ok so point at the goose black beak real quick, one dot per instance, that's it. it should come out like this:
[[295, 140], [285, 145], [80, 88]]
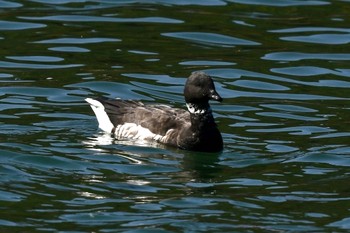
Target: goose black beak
[[215, 96]]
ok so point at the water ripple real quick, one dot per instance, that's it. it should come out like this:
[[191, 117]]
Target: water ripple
[[206, 63], [109, 3], [289, 108], [190, 2], [296, 130], [125, 91], [259, 85], [11, 25], [340, 37], [83, 18], [6, 64], [77, 40], [327, 158], [9, 4], [70, 49], [290, 116], [282, 3], [229, 73], [164, 79], [210, 38], [10, 196], [302, 71], [36, 58], [298, 56], [330, 39], [310, 29]]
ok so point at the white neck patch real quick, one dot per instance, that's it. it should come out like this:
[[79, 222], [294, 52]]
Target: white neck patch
[[192, 108]]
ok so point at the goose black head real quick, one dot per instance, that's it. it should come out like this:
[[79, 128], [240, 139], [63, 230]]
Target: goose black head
[[200, 88]]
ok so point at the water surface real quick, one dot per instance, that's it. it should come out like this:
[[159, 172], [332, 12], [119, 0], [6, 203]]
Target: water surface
[[283, 73]]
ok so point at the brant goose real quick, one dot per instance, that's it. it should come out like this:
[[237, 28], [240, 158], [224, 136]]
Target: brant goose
[[194, 129]]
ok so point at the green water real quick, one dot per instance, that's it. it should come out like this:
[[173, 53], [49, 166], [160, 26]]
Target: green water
[[281, 67]]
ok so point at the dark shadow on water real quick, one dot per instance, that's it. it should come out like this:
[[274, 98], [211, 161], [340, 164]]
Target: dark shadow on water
[[202, 165]]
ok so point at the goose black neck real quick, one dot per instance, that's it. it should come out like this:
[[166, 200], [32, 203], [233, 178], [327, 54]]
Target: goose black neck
[[201, 116]]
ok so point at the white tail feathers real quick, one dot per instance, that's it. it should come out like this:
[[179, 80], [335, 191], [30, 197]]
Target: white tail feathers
[[103, 120]]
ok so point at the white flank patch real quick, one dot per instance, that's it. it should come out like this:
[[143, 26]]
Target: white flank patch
[[134, 131], [104, 122]]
